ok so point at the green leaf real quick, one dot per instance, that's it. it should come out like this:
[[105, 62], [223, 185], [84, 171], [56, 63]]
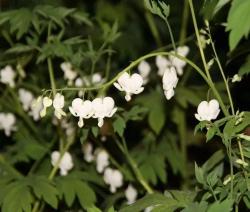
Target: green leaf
[[211, 133], [17, 198], [119, 125], [245, 68], [43, 188], [225, 205], [212, 7], [81, 17], [159, 8], [150, 200], [238, 27], [71, 187], [199, 174]]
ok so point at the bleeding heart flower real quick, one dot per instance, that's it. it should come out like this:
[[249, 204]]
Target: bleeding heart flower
[[113, 178], [58, 104], [69, 73], [47, 102], [144, 70], [7, 123], [65, 164], [131, 194], [7, 76], [208, 111], [169, 81], [26, 98], [130, 84], [103, 107], [81, 109], [102, 160]]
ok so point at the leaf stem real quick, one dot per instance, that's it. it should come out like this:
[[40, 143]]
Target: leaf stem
[[171, 34], [184, 23]]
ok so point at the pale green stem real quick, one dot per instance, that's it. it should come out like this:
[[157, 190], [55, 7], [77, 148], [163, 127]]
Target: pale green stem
[[221, 71], [171, 34], [184, 24], [153, 28], [136, 62]]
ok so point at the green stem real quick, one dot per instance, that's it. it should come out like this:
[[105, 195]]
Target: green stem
[[184, 24], [221, 71], [136, 62], [9, 168], [171, 34], [51, 76], [153, 28], [134, 166], [107, 70], [198, 39], [231, 170]]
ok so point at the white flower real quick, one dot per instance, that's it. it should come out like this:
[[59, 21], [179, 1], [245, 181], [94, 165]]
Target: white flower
[[178, 63], [113, 178], [47, 102], [236, 78], [88, 152], [69, 73], [144, 70], [65, 164], [169, 81], [36, 108], [162, 63], [81, 109], [7, 76], [241, 162], [131, 194], [96, 78], [7, 123], [102, 160], [208, 111], [26, 98], [103, 107], [130, 84], [58, 104]]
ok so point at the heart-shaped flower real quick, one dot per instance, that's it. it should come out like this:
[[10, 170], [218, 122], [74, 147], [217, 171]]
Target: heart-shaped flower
[[69, 73], [102, 160], [131, 194], [130, 84], [7, 76], [58, 104], [113, 178], [7, 123], [144, 70], [65, 164], [81, 109], [26, 98], [169, 81], [47, 102], [103, 107], [208, 111]]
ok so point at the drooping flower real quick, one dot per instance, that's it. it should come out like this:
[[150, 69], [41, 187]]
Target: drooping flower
[[7, 76], [88, 152], [103, 107], [65, 164], [69, 73], [26, 98], [113, 178], [208, 111], [102, 160], [144, 70], [47, 102], [7, 123], [236, 78], [169, 81], [131, 194], [162, 63], [178, 63], [58, 104], [81, 109], [96, 78], [36, 108], [130, 84]]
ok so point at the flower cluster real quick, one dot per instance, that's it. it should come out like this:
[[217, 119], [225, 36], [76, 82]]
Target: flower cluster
[[58, 104], [99, 108], [7, 123], [65, 163]]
